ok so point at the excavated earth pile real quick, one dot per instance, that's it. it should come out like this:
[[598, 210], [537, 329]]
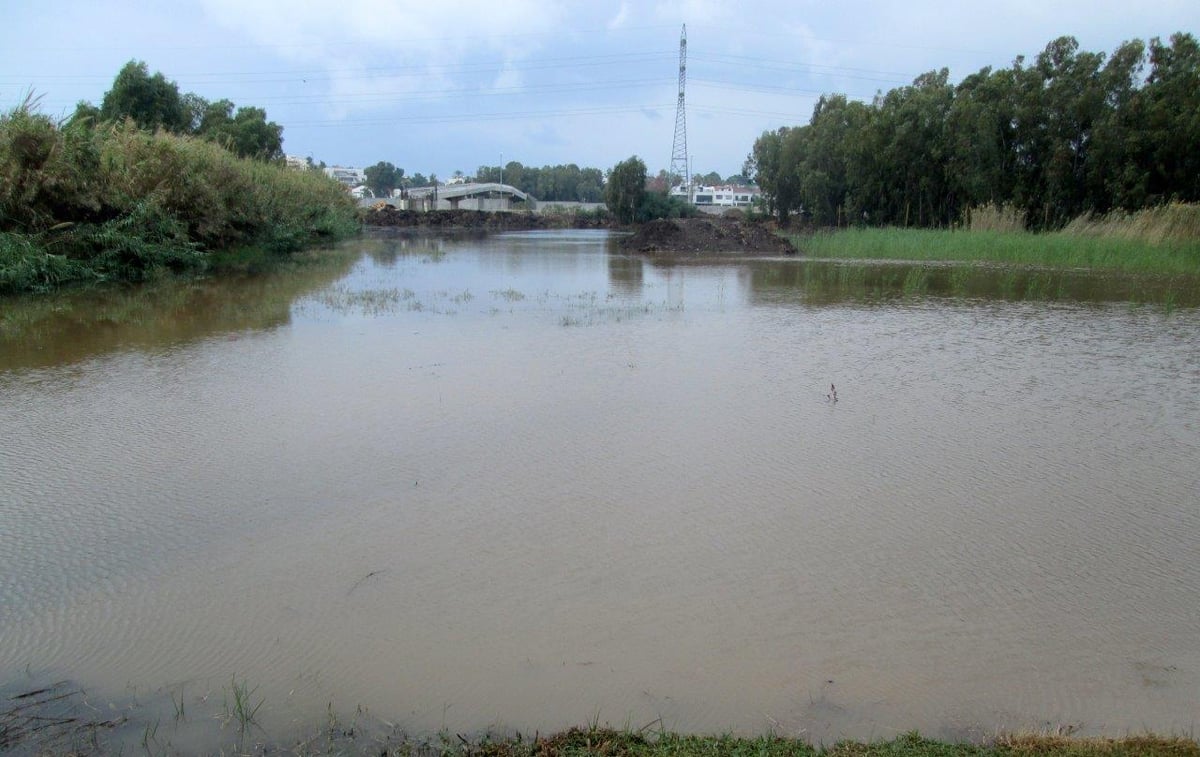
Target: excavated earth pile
[[382, 214], [706, 235]]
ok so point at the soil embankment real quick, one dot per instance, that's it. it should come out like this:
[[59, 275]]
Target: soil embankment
[[386, 215], [705, 236]]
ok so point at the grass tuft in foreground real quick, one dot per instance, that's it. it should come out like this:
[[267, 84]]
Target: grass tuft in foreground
[[605, 742], [57, 719]]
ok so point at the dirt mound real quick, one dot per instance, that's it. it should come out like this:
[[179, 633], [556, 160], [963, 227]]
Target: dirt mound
[[383, 214], [706, 235]]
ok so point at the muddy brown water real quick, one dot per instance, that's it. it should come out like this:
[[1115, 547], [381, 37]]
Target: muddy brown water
[[526, 482]]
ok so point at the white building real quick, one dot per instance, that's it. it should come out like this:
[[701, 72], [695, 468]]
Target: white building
[[724, 195], [351, 177]]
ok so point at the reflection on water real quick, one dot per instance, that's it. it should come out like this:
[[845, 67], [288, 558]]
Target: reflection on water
[[838, 281], [39, 330], [524, 481]]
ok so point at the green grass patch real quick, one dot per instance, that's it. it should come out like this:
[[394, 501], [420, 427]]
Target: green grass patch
[[1053, 250], [1164, 240], [53, 719], [605, 742]]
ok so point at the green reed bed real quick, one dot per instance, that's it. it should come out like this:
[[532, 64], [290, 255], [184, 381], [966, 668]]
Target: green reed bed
[[1163, 240], [84, 202]]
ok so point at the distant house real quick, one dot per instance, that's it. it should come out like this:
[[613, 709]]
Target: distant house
[[724, 195], [351, 177], [296, 162], [361, 192]]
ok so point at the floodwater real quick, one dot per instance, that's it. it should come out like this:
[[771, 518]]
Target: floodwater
[[524, 482]]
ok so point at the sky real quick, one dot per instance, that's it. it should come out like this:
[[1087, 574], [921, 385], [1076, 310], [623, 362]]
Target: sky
[[438, 87]]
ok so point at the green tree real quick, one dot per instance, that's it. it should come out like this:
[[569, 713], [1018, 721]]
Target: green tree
[[980, 159], [625, 188], [86, 113], [1119, 169], [1071, 133], [663, 205], [1172, 118], [777, 175], [590, 187], [247, 133], [488, 174], [151, 101], [383, 177], [823, 159]]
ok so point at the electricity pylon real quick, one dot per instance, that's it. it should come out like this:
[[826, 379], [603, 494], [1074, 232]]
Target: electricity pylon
[[679, 152]]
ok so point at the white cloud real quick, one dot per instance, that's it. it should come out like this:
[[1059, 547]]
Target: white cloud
[[411, 29], [696, 11], [368, 51], [617, 21]]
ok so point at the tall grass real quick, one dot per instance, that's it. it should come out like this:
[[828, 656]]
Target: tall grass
[[1163, 226], [992, 217], [115, 202], [1161, 240]]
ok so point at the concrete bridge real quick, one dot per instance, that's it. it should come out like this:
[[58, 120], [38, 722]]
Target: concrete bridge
[[485, 196]]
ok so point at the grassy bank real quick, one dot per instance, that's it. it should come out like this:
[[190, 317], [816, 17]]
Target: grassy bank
[[610, 743], [111, 202], [58, 719], [1163, 240]]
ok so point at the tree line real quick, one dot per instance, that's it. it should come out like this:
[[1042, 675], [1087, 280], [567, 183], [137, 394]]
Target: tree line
[[1071, 133], [154, 102], [562, 183], [385, 176]]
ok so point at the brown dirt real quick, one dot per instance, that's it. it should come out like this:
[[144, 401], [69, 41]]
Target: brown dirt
[[707, 235], [383, 214]]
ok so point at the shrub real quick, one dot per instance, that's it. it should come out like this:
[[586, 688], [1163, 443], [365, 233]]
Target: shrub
[[118, 202]]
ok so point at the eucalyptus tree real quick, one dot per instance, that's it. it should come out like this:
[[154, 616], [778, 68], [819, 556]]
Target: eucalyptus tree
[[152, 102], [383, 177], [1172, 118], [625, 188]]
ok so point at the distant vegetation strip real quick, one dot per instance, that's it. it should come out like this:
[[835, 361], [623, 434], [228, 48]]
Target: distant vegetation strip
[[1161, 240]]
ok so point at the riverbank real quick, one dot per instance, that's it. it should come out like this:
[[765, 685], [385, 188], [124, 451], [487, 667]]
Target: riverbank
[[1163, 240], [383, 215], [38, 722], [112, 203], [606, 742]]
